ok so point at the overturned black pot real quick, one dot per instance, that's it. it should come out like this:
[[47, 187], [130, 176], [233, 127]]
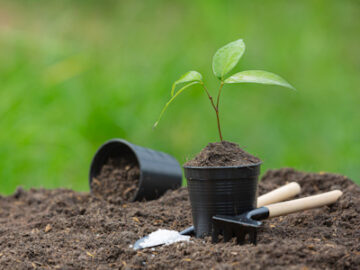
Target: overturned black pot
[[159, 172], [220, 191]]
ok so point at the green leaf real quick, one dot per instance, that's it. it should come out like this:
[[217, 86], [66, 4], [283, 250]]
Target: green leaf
[[226, 58], [258, 76], [190, 76], [172, 99]]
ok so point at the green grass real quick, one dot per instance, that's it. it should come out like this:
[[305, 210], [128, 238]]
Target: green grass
[[75, 74]]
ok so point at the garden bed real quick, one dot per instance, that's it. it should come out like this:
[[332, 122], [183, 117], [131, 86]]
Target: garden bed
[[69, 230]]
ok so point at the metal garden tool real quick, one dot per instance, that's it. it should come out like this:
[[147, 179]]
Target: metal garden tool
[[247, 223], [277, 195]]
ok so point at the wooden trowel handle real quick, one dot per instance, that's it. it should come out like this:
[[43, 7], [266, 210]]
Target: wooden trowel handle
[[280, 194], [284, 208]]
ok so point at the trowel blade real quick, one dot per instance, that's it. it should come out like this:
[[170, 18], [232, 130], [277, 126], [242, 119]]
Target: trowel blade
[[138, 243]]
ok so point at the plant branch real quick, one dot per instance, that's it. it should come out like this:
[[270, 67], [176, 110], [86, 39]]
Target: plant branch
[[218, 97], [209, 96], [215, 108]]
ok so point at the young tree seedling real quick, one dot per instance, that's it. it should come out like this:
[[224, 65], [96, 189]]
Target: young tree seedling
[[224, 60]]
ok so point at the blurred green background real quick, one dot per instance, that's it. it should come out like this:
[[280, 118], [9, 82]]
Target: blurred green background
[[74, 74]]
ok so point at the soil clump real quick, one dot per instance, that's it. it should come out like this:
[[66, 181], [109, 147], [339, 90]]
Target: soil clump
[[221, 154]]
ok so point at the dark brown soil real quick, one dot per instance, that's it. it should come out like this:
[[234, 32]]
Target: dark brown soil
[[222, 154], [117, 181], [63, 229]]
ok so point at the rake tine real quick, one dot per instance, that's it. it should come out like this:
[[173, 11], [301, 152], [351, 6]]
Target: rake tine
[[215, 233], [253, 236], [240, 237], [228, 233]]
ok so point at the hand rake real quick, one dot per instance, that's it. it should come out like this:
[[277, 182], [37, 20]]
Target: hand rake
[[246, 224]]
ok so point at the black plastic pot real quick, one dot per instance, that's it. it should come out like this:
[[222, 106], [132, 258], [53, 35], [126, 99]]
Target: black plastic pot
[[159, 172], [220, 191]]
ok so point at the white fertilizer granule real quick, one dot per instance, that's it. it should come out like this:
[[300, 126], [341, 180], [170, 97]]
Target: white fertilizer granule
[[165, 237]]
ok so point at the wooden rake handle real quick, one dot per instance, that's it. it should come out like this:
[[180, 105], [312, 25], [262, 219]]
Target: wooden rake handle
[[280, 194], [285, 208]]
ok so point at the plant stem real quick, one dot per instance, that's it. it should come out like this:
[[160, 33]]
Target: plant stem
[[218, 124], [215, 108], [218, 97]]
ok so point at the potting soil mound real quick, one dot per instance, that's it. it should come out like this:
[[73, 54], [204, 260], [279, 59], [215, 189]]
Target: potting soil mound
[[63, 229], [117, 181], [222, 154]]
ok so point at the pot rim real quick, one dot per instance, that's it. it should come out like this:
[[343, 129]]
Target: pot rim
[[222, 167]]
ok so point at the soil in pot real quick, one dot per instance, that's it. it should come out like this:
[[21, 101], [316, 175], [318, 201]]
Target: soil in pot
[[222, 154], [118, 180], [63, 229]]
